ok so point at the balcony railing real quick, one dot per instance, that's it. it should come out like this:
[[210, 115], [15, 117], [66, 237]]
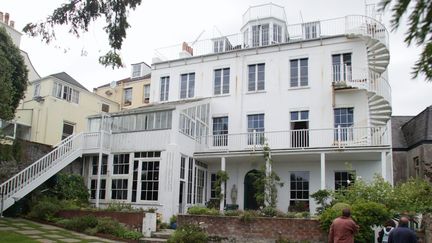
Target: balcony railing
[[349, 25], [296, 139], [346, 76]]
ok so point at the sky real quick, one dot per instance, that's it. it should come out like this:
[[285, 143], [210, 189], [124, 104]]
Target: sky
[[156, 24]]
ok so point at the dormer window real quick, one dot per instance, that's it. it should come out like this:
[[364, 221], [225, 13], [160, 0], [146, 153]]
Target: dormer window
[[136, 70], [311, 30], [221, 45], [277, 33]]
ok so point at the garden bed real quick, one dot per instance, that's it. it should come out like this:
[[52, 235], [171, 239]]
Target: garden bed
[[262, 229], [133, 220]]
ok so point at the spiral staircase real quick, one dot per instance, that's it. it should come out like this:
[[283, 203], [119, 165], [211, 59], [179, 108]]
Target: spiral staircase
[[378, 89]]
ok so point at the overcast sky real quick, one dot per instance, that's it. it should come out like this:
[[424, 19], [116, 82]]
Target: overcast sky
[[162, 23]]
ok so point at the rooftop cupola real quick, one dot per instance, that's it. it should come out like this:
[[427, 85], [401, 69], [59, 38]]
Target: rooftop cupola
[[264, 25]]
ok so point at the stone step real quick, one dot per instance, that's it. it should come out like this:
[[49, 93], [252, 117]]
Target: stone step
[[164, 234], [152, 240]]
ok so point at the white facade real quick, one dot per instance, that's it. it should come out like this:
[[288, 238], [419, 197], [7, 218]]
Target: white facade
[[316, 93]]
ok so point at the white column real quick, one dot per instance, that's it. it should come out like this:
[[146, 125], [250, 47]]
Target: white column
[[323, 185], [268, 171], [98, 182], [221, 205], [384, 165]]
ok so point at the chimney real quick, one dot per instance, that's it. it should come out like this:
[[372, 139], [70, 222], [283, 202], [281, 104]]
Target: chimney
[[6, 18], [1, 16], [12, 24]]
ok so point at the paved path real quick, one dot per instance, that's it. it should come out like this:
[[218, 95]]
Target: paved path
[[47, 233]]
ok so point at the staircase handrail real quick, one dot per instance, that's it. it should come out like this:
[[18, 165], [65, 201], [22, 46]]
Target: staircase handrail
[[26, 175]]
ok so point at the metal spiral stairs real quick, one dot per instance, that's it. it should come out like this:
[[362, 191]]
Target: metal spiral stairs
[[378, 59]]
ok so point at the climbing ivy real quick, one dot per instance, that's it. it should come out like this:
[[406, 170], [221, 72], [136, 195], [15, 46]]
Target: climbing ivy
[[267, 183], [221, 176]]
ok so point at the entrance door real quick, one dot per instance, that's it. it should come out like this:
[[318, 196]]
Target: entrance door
[[181, 197], [249, 190]]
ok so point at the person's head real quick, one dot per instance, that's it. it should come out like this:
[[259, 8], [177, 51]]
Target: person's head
[[389, 223], [403, 222], [346, 212]]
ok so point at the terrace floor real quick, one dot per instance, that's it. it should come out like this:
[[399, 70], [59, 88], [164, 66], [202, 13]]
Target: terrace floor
[[24, 231]]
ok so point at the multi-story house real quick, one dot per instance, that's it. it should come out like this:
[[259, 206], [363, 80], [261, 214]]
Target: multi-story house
[[315, 94], [412, 146], [131, 92], [57, 106]]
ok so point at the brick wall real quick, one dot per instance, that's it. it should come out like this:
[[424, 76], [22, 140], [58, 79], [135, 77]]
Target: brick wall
[[258, 230], [131, 219]]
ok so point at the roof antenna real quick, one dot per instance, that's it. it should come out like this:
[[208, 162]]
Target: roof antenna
[[301, 17]]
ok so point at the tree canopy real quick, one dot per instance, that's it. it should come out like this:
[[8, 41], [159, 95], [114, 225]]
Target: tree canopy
[[13, 76], [79, 14], [419, 29]]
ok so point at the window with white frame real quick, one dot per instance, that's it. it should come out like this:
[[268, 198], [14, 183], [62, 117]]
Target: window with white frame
[[127, 96], [142, 122], [95, 165], [343, 179], [121, 164], [260, 35], [65, 92], [190, 180], [342, 67], [68, 130], [119, 189], [299, 191], [146, 95], [187, 85], [136, 70], [221, 81], [344, 122], [150, 180], [93, 189], [199, 184], [164, 88], [182, 167], [37, 87], [218, 45], [299, 129], [277, 33], [256, 77], [311, 30], [255, 129], [299, 72], [220, 131]]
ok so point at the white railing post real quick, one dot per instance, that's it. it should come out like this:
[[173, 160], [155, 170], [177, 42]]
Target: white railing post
[[339, 135]]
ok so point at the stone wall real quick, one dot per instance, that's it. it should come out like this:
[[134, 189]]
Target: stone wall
[[29, 153], [133, 220], [232, 229]]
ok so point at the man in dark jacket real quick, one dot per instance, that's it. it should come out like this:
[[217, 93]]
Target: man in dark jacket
[[342, 229], [402, 234]]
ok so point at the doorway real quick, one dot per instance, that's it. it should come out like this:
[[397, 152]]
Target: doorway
[[250, 201]]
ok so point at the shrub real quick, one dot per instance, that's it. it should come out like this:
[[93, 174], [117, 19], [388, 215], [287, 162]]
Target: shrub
[[213, 203], [248, 216], [120, 207], [173, 219], [71, 187], [232, 213], [81, 223], [187, 234], [108, 226], [129, 234], [45, 208], [200, 210], [269, 211]]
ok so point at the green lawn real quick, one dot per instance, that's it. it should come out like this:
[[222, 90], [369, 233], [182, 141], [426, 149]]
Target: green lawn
[[11, 237]]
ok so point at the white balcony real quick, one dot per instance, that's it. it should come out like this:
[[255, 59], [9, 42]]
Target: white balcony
[[341, 137], [346, 76], [352, 26]]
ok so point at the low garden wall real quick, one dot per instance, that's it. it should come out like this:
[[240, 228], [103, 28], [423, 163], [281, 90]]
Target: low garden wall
[[133, 220], [257, 229]]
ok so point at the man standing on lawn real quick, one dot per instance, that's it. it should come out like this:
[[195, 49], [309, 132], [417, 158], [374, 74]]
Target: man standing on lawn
[[343, 229]]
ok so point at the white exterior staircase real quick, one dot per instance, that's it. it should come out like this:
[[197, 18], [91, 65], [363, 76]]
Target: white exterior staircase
[[374, 80], [37, 173]]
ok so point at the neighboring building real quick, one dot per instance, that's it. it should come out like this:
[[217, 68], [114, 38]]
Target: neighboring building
[[412, 146], [130, 92], [316, 93], [57, 106]]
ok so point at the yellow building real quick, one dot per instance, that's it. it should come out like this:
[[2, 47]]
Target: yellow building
[[130, 92], [56, 106]]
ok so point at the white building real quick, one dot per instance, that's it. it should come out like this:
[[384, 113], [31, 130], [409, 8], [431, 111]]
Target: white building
[[316, 93]]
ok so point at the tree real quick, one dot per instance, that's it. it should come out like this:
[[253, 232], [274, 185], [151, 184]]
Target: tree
[[13, 76], [419, 29], [78, 14]]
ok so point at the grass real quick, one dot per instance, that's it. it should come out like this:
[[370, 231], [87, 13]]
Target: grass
[[11, 237]]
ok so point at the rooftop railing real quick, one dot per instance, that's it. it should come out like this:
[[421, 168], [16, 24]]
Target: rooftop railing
[[264, 11], [353, 25]]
